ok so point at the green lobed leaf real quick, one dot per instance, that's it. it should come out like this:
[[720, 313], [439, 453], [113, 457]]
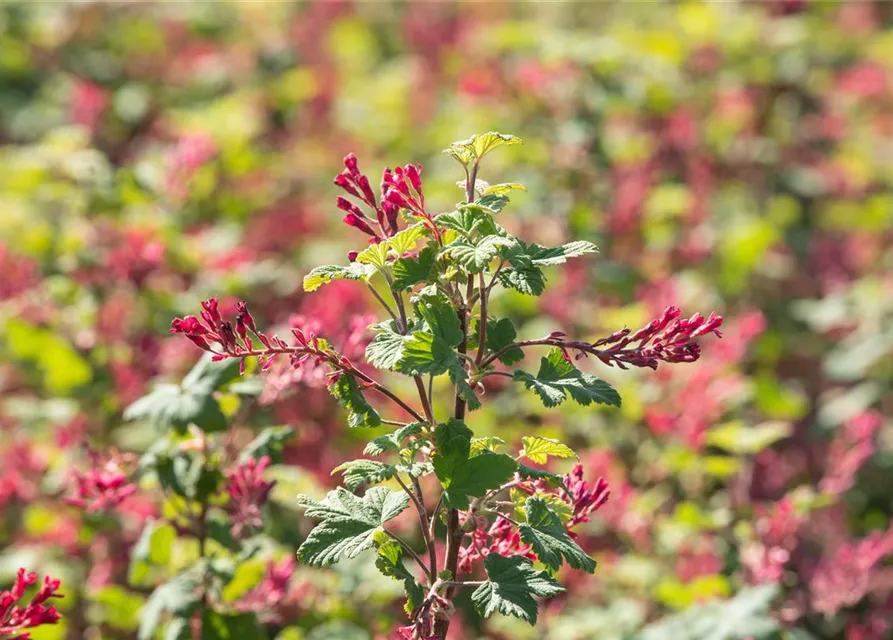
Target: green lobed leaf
[[500, 334], [406, 239], [541, 255], [538, 449], [375, 255], [385, 349], [527, 279], [557, 378], [488, 443], [357, 472], [171, 406], [330, 272], [348, 523], [511, 586], [494, 202], [461, 478], [476, 256], [546, 535], [408, 272], [390, 563], [479, 145], [392, 441], [468, 219], [346, 391], [439, 315]]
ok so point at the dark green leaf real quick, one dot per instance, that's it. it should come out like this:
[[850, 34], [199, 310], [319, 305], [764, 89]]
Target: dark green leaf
[[348, 523], [348, 394], [557, 377], [511, 586], [357, 472], [471, 476], [548, 538], [500, 334], [409, 272], [390, 563]]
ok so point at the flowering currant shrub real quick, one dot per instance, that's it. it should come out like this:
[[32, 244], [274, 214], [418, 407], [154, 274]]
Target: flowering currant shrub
[[500, 525]]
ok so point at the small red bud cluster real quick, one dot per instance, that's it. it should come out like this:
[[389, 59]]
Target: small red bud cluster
[[15, 619], [666, 338]]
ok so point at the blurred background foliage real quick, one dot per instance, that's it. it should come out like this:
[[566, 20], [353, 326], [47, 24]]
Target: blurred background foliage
[[736, 156]]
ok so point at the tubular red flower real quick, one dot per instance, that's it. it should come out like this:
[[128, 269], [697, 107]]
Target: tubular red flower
[[14, 619], [101, 488]]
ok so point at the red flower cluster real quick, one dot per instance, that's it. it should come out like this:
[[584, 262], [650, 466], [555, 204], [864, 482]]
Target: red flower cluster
[[101, 488], [357, 185], [400, 189], [274, 597], [248, 492], [842, 579], [583, 498], [500, 538], [666, 338], [15, 619], [849, 451]]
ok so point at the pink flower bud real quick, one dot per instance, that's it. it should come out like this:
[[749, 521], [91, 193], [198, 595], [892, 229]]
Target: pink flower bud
[[346, 205], [357, 223]]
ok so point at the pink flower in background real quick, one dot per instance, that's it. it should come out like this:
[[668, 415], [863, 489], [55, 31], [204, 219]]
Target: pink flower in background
[[101, 488], [583, 498], [21, 467], [776, 530], [849, 451], [842, 578], [191, 153], [17, 273], [275, 598], [88, 102], [15, 619], [248, 493]]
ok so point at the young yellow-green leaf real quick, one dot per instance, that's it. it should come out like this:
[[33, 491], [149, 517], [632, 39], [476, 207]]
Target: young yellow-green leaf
[[330, 272], [357, 472], [546, 535], [479, 145], [489, 443], [561, 508], [737, 437], [406, 239], [511, 586], [557, 377], [375, 255], [348, 523], [538, 449], [504, 188]]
